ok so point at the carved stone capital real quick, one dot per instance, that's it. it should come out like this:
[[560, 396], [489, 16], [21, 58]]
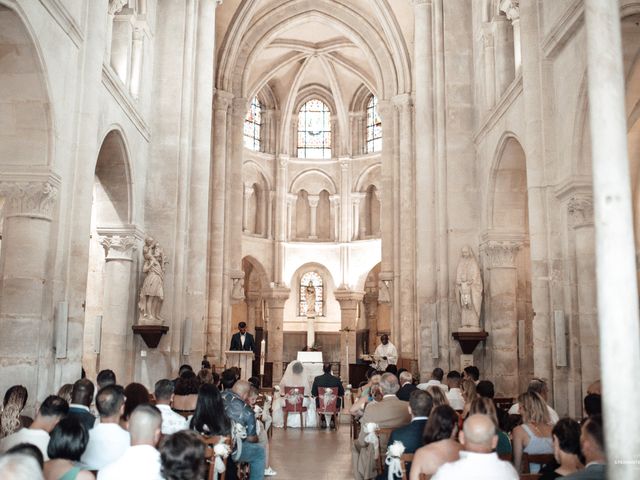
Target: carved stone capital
[[403, 100], [237, 286], [313, 200], [348, 299], [29, 199], [334, 199], [385, 287], [511, 9], [222, 100], [115, 6], [502, 254], [283, 161], [118, 247], [580, 209], [276, 296]]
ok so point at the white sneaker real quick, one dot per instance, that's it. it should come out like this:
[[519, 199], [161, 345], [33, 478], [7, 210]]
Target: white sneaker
[[270, 472]]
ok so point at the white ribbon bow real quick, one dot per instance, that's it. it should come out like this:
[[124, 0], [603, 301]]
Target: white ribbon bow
[[238, 433], [328, 397], [371, 438], [220, 451], [394, 452], [293, 396], [266, 416]]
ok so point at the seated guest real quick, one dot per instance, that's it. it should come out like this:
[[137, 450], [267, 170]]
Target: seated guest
[[65, 391], [205, 376], [469, 395], [486, 407], [390, 412], [367, 396], [28, 449], [592, 445], [135, 394], [51, 411], [478, 459], [392, 369], [566, 448], [534, 435], [436, 380], [406, 386], [438, 395], [105, 377], [185, 395], [11, 418], [19, 466], [485, 389], [107, 440], [454, 395], [327, 380], [172, 422], [182, 456], [595, 388], [209, 417], [539, 386], [592, 405], [141, 461], [255, 382], [68, 440], [228, 379], [440, 442], [420, 404], [215, 379], [263, 438], [237, 409], [471, 373], [81, 398]]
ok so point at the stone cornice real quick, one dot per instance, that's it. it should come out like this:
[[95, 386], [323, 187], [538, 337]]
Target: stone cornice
[[564, 29], [276, 296], [31, 198], [580, 210], [497, 112], [123, 98], [511, 9], [347, 298], [579, 184], [502, 254], [222, 100], [118, 247]]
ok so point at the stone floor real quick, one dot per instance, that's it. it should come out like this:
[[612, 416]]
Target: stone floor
[[311, 454]]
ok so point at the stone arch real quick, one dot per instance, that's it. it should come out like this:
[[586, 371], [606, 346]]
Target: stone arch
[[313, 181], [369, 176], [24, 94], [252, 309]]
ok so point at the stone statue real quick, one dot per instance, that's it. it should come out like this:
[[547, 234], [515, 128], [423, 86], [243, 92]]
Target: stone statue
[[469, 290], [310, 295], [152, 291]]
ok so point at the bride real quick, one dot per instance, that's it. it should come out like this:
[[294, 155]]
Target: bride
[[296, 375]]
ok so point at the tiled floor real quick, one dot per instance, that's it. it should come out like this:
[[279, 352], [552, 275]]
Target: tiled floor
[[311, 454]]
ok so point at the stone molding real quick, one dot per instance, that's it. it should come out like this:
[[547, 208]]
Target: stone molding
[[404, 100], [118, 247], [33, 199], [276, 296], [313, 200], [385, 287], [237, 287], [115, 6], [580, 210], [347, 298], [502, 254], [511, 9], [419, 3], [222, 100]]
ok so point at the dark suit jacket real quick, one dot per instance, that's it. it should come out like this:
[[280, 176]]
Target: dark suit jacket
[[411, 438], [236, 344], [327, 380], [85, 417], [592, 472], [405, 391]]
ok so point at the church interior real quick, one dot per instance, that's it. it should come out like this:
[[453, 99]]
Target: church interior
[[324, 171]]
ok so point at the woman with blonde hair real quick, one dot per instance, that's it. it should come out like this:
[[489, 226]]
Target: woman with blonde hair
[[469, 395], [534, 435], [10, 419], [438, 396], [485, 406]]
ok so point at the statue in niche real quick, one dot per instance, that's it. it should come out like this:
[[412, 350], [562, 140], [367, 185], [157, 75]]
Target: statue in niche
[[152, 291], [310, 296], [469, 290]]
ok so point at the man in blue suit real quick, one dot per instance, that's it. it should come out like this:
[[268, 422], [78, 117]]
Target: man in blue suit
[[420, 403], [242, 340]]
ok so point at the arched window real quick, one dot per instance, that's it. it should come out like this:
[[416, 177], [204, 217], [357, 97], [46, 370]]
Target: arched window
[[374, 126], [316, 281], [252, 124], [314, 130]]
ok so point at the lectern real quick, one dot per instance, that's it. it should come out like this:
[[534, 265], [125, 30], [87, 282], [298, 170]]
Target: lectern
[[241, 359]]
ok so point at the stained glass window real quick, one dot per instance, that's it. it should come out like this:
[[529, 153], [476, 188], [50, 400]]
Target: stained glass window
[[252, 124], [314, 130], [316, 281], [374, 126]]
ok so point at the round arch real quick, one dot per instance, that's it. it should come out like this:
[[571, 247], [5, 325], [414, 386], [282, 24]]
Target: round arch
[[313, 181]]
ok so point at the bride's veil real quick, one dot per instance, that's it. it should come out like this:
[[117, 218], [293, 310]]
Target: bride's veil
[[297, 378]]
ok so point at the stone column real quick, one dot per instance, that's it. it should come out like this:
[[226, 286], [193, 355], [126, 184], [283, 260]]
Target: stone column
[[118, 314], [335, 216], [348, 300], [248, 191], [122, 35], [356, 199], [345, 200], [276, 298], [252, 301], [489, 66], [282, 221], [136, 60], [313, 215], [580, 209], [115, 6], [268, 231], [504, 59], [26, 315], [511, 9], [503, 315]]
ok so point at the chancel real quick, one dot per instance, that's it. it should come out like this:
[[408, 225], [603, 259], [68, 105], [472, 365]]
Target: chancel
[[322, 209]]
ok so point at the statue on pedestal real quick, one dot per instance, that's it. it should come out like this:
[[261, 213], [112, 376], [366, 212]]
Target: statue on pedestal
[[310, 296], [152, 291], [469, 290]]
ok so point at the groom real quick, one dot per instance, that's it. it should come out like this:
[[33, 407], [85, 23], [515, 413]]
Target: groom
[[242, 340]]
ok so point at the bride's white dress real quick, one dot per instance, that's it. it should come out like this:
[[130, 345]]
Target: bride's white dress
[[290, 379]]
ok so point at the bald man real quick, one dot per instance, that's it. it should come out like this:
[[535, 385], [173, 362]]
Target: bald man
[[478, 460], [141, 460]]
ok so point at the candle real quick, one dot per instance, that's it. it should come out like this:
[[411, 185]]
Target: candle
[[263, 345]]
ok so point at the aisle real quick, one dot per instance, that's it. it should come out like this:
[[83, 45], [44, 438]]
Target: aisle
[[311, 454]]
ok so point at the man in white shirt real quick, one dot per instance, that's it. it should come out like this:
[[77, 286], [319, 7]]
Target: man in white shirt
[[539, 386], [454, 395], [141, 460], [51, 411], [107, 440], [171, 421], [478, 460], [386, 353], [435, 381]]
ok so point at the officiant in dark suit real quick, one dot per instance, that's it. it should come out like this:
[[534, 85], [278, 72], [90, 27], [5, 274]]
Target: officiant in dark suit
[[242, 340]]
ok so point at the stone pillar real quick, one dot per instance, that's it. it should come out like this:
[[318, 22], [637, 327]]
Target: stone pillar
[[276, 298], [313, 215], [504, 59], [580, 209], [348, 300], [115, 6], [489, 66], [121, 44], [136, 60], [118, 314], [253, 300], [291, 200], [503, 315], [335, 216], [268, 231], [345, 200], [248, 191], [356, 199], [511, 9], [282, 220], [26, 315]]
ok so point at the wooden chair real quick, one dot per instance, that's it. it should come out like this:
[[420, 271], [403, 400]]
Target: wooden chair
[[355, 423], [210, 442], [330, 407], [294, 407], [530, 476], [503, 403], [507, 457], [383, 438], [542, 459], [404, 459]]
